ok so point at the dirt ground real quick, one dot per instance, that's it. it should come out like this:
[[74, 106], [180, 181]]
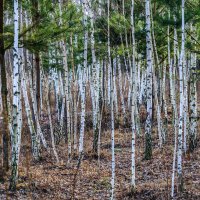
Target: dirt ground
[[47, 180]]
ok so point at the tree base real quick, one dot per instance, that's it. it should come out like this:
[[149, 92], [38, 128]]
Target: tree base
[[148, 147], [180, 184]]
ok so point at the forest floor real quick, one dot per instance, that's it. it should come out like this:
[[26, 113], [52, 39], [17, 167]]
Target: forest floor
[[47, 180]]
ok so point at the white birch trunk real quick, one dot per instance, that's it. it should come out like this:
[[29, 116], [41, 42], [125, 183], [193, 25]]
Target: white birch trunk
[[32, 130], [50, 121], [67, 91], [112, 109], [16, 135], [148, 125], [181, 112], [120, 85], [33, 100], [83, 88], [193, 102], [133, 99]]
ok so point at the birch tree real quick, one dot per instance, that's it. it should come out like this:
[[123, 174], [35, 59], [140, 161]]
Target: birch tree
[[16, 135], [148, 124], [193, 100], [83, 88], [67, 92], [133, 98], [181, 115], [174, 105], [112, 109]]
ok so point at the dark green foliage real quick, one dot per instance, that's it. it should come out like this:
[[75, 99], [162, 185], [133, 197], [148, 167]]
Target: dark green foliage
[[43, 34], [49, 30]]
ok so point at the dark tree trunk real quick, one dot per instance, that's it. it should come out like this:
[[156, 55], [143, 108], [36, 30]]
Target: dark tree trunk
[[35, 15], [4, 129], [37, 62]]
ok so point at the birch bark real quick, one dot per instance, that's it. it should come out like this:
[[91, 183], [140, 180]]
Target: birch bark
[[181, 115], [16, 135], [112, 109], [148, 125]]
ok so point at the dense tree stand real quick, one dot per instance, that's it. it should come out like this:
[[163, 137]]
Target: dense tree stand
[[99, 99]]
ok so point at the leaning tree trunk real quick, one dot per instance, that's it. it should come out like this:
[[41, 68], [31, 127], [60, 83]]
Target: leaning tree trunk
[[34, 138]]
